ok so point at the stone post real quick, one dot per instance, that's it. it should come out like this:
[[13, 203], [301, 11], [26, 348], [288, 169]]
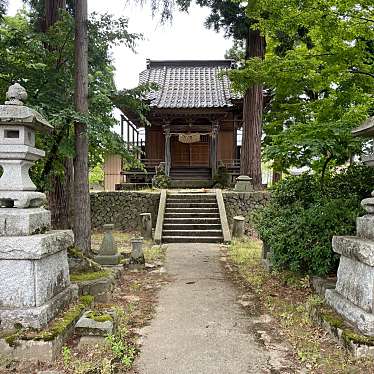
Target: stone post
[[238, 227], [137, 259], [243, 184], [108, 253], [34, 271], [146, 225]]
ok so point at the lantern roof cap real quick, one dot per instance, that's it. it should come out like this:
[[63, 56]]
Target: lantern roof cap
[[14, 112]]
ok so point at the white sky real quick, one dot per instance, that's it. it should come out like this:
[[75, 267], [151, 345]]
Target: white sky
[[185, 38]]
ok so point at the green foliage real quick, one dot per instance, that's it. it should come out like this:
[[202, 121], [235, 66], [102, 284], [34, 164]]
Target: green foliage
[[44, 64], [121, 350], [300, 220], [66, 355], [222, 177], [319, 75], [96, 176], [161, 180]]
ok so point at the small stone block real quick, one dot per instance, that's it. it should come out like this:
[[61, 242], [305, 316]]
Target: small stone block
[[358, 317], [365, 227], [356, 248], [91, 341], [88, 326], [108, 260], [23, 222], [243, 184], [35, 246]]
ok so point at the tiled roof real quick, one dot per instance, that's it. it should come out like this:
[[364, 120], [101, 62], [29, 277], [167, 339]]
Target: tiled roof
[[189, 84]]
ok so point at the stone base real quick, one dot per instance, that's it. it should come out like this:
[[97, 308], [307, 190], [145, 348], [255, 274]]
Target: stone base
[[362, 320], [108, 260], [38, 317], [22, 199], [22, 222]]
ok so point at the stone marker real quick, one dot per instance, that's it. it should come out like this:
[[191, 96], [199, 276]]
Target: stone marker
[[94, 327], [353, 296], [34, 272], [238, 227], [146, 225], [108, 253], [137, 255], [243, 184]]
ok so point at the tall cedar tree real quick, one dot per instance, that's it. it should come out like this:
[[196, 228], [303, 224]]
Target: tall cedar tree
[[60, 198], [232, 18], [82, 214]]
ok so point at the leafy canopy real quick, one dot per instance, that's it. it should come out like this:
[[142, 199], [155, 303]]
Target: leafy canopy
[[44, 64], [319, 73]]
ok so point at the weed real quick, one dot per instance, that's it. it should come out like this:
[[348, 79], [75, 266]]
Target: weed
[[66, 355], [121, 350]]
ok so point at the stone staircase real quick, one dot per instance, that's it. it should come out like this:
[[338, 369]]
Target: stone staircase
[[192, 217]]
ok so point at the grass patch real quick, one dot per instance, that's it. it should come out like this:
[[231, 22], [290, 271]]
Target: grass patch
[[154, 253], [89, 276], [288, 298]]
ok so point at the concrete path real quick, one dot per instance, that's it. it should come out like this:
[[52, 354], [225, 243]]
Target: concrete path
[[199, 326]]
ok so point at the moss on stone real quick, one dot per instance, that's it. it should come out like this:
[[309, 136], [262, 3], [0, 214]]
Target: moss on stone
[[332, 319], [89, 276], [60, 325], [75, 252], [99, 316], [351, 336], [348, 334], [12, 339]]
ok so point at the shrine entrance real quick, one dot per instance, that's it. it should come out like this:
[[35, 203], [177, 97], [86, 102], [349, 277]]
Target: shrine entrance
[[190, 154]]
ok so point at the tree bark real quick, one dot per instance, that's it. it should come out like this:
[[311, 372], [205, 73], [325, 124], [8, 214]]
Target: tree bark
[[61, 194], [277, 176], [52, 10], [250, 158], [60, 198], [82, 214]]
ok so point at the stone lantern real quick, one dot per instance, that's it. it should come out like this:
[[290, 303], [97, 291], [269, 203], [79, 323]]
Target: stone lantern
[[34, 272], [353, 296]]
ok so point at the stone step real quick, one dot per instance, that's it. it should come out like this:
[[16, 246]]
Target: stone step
[[191, 195], [191, 210], [193, 219], [194, 214], [192, 226], [192, 199], [191, 205], [192, 239], [192, 232]]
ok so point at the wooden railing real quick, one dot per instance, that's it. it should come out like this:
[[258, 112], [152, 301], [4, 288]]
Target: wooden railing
[[231, 163]]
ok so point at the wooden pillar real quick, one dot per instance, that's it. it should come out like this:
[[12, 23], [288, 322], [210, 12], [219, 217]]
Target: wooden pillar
[[167, 150], [213, 148]]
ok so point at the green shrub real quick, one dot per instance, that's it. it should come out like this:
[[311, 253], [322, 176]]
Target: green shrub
[[161, 180], [303, 215], [221, 178]]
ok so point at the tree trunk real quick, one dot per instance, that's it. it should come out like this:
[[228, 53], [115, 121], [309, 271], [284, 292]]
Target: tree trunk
[[277, 176], [52, 10], [250, 158], [82, 214], [60, 198]]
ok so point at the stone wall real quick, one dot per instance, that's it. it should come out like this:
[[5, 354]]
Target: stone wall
[[122, 208], [243, 203]]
